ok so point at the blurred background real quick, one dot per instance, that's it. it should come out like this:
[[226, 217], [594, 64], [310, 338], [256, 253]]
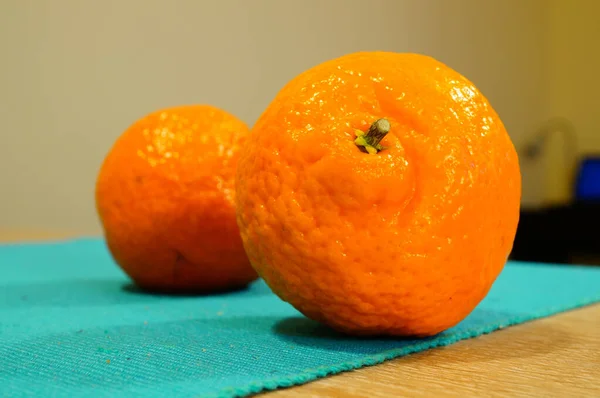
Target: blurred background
[[76, 73]]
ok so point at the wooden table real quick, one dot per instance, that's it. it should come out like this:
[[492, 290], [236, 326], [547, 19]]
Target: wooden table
[[557, 356]]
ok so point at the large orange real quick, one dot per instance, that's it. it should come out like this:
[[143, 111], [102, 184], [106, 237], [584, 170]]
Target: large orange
[[165, 197], [401, 237]]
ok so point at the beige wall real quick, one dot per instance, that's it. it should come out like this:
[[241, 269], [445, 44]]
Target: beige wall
[[75, 73], [574, 65], [574, 85]]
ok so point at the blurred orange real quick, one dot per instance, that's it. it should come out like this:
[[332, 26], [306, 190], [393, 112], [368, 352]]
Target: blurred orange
[[165, 197]]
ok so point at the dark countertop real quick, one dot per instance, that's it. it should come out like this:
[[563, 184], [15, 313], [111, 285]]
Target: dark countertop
[[560, 234]]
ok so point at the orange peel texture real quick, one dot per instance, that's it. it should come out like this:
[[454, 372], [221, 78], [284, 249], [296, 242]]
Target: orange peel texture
[[405, 239]]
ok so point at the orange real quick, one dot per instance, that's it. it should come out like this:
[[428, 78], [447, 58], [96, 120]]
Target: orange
[[165, 198], [398, 231]]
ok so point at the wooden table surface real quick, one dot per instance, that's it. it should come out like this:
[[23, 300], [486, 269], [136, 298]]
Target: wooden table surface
[[557, 356]]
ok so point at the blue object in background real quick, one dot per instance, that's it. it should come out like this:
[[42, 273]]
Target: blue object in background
[[588, 180], [71, 325]]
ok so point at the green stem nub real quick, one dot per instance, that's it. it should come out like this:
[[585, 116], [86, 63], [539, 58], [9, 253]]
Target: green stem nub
[[370, 141]]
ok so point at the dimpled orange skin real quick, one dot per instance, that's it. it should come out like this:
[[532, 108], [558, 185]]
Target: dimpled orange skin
[[403, 242], [165, 197]]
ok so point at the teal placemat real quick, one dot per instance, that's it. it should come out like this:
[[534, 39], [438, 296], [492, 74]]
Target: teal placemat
[[71, 325]]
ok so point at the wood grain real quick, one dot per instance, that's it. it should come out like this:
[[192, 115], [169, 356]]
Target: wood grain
[[24, 235], [557, 356], [552, 357]]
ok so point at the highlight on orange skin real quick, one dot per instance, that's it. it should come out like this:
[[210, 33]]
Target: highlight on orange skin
[[405, 240]]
